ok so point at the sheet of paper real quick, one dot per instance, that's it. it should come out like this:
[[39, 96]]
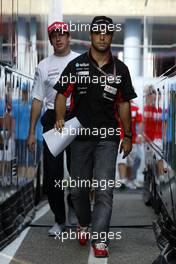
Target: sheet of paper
[[57, 141]]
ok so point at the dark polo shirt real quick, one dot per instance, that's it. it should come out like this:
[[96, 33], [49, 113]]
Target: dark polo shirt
[[95, 91]]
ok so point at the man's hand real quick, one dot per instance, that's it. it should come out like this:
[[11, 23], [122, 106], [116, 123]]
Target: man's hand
[[31, 141], [59, 125], [126, 146], [125, 116]]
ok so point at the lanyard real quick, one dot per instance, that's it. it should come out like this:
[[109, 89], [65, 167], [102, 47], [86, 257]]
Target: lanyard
[[103, 72]]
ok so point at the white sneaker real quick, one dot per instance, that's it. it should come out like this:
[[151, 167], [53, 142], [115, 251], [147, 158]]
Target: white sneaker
[[56, 229], [138, 184], [130, 185], [124, 181]]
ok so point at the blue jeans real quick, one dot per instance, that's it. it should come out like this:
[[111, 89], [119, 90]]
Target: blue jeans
[[93, 159]]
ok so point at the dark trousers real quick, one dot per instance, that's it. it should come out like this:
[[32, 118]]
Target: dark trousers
[[53, 173], [90, 158]]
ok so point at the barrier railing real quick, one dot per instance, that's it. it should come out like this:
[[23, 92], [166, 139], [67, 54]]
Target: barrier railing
[[18, 166]]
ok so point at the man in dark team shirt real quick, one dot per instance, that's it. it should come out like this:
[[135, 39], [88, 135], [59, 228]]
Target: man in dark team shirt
[[100, 86]]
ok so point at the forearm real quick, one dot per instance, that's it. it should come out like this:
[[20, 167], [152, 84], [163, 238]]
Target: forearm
[[34, 115], [125, 116], [60, 107]]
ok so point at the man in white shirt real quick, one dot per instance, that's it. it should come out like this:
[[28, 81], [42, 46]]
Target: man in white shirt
[[46, 75]]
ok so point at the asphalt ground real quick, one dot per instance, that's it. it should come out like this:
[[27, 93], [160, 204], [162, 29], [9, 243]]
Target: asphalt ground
[[130, 217]]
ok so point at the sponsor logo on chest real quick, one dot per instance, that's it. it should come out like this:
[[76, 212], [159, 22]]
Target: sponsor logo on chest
[[82, 68]]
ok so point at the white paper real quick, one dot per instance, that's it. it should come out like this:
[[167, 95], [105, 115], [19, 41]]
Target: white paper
[[57, 141]]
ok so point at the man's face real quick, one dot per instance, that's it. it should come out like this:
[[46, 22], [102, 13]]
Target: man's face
[[101, 41], [60, 42]]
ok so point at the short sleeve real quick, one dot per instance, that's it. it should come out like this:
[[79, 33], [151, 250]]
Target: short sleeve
[[67, 80], [38, 89], [127, 87]]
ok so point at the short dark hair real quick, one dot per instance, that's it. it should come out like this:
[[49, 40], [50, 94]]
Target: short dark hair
[[100, 21]]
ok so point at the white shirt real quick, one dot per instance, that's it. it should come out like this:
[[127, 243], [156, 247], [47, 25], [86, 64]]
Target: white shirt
[[47, 74]]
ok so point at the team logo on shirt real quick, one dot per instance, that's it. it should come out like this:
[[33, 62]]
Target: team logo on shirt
[[83, 73], [82, 69], [82, 90], [82, 64]]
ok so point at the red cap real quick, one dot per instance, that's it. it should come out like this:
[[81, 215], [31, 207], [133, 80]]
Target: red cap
[[63, 27]]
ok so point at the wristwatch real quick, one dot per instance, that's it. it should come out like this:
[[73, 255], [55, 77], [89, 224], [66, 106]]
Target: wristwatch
[[128, 135]]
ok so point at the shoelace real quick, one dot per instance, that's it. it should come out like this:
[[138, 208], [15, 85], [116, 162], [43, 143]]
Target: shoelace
[[101, 246]]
